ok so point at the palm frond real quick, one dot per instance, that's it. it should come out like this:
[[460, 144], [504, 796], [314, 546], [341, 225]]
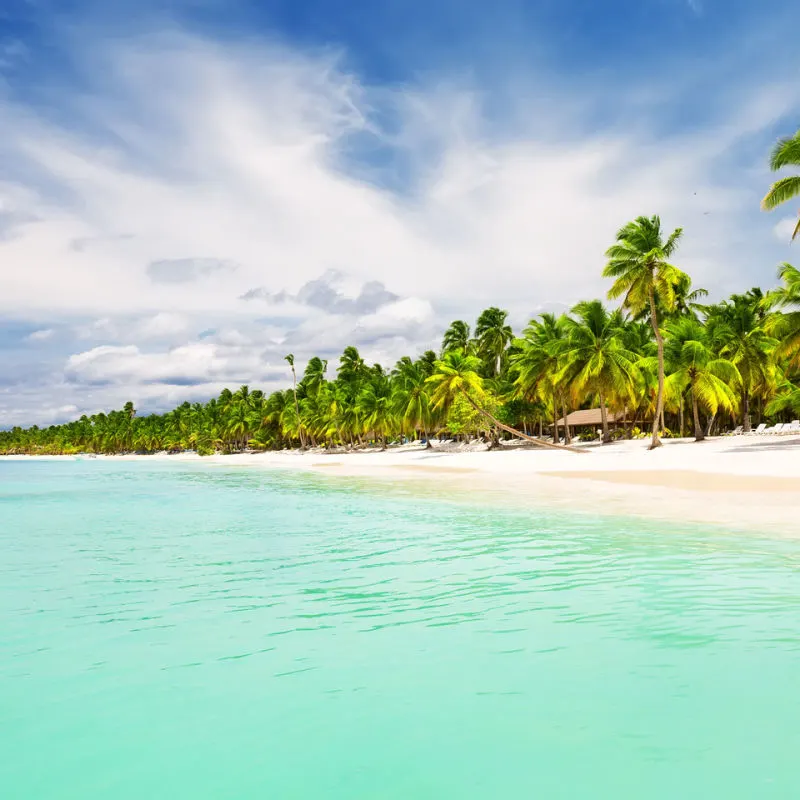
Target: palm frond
[[786, 152], [781, 191]]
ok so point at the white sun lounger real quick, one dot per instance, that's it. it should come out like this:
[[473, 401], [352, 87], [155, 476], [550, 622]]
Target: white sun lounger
[[792, 427], [778, 428], [762, 428]]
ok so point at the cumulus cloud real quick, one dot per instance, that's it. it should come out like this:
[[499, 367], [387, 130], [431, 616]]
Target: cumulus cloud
[[191, 178], [197, 362]]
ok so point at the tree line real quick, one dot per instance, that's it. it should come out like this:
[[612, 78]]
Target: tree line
[[662, 358]]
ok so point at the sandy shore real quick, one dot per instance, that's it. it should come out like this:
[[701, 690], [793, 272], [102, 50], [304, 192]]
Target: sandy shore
[[737, 482]]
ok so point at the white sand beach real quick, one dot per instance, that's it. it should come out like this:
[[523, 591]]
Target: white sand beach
[[735, 481]]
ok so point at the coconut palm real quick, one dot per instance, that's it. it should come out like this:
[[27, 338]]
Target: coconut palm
[[643, 278], [456, 337], [493, 335], [736, 330], [536, 364], [786, 326], [411, 400], [375, 408], [314, 376], [457, 375], [786, 153], [595, 361], [695, 368], [290, 359]]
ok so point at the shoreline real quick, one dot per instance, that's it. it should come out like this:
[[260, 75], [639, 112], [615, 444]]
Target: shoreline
[[750, 482]]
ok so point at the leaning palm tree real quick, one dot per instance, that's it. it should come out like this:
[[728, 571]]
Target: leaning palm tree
[[290, 359], [493, 335], [695, 368], [638, 262], [457, 375], [786, 153], [596, 362]]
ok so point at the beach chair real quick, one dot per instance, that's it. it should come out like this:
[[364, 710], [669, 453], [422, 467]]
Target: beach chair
[[736, 431], [777, 428], [759, 430], [792, 427]]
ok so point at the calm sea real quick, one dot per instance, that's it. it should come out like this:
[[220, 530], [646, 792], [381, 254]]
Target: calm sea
[[190, 631]]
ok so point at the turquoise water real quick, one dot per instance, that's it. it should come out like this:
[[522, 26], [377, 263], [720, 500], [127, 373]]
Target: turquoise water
[[184, 631]]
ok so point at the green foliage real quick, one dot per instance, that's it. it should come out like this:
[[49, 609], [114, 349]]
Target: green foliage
[[786, 153], [463, 419]]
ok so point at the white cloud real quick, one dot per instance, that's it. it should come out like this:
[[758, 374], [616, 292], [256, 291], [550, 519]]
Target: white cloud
[[402, 317], [198, 362]]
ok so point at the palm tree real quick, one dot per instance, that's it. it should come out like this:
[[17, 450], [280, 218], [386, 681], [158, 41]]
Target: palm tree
[[687, 298], [375, 408], [736, 329], [537, 364], [595, 360], [314, 376], [457, 375], [786, 326], [410, 398], [694, 367], [456, 337], [786, 153], [290, 359], [644, 277], [493, 336]]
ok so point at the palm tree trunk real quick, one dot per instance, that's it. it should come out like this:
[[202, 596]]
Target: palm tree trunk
[[428, 445], [555, 420], [514, 431], [567, 437], [746, 411], [698, 429], [655, 441], [297, 410], [604, 420], [682, 420]]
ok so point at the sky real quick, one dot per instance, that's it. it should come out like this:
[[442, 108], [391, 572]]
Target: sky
[[189, 190]]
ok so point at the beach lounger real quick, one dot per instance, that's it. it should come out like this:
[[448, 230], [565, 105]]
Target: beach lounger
[[792, 427], [775, 428], [736, 431], [760, 429]]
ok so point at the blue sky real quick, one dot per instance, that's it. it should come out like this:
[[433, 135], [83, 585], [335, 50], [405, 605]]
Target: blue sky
[[192, 188]]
